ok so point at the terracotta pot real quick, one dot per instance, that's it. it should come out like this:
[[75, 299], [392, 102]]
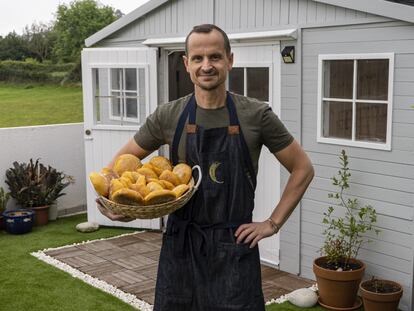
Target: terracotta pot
[[41, 215], [338, 289], [381, 301]]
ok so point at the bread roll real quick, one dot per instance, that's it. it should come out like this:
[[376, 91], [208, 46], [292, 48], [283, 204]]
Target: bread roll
[[126, 162], [159, 196], [183, 171]]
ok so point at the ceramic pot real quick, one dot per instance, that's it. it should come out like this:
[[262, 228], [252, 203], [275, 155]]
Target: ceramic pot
[[53, 211], [41, 215], [381, 301], [338, 289], [18, 221]]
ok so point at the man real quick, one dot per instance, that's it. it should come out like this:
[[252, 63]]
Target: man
[[209, 258]]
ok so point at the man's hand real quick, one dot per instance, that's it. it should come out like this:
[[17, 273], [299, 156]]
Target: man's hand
[[112, 216], [253, 232]]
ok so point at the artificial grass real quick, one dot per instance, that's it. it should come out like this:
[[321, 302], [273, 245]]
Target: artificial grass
[[30, 284], [28, 105]]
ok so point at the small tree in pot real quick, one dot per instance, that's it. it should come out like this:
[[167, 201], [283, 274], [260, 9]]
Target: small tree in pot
[[36, 186], [338, 272], [4, 198]]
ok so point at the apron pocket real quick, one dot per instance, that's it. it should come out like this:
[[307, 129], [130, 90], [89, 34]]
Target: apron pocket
[[174, 272], [235, 279]]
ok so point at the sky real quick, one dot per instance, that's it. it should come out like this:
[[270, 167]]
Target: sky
[[16, 14]]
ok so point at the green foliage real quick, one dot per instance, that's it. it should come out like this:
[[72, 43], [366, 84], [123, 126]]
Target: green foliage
[[76, 22], [344, 235], [31, 70], [4, 198], [40, 39], [32, 184], [13, 47]]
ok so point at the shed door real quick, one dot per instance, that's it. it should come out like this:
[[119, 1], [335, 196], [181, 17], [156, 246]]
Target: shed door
[[256, 74], [119, 92]]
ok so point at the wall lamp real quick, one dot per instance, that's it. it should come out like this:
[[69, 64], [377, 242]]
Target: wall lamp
[[288, 54]]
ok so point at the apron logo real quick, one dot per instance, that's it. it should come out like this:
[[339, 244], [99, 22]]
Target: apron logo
[[212, 172]]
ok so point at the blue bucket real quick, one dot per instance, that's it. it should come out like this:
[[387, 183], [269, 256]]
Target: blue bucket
[[18, 221]]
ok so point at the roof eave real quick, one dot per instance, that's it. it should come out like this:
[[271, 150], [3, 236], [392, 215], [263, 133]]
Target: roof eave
[[123, 21], [377, 7]]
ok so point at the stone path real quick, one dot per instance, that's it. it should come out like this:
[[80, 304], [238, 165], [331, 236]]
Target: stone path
[[130, 263]]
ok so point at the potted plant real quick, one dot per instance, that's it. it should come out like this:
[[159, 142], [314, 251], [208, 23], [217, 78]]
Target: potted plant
[[338, 272], [36, 186], [381, 295], [4, 198]]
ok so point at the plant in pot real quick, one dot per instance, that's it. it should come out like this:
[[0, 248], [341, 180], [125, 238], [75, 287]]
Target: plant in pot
[[36, 187], [338, 272], [381, 295]]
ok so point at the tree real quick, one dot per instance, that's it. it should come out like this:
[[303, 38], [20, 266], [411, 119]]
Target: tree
[[13, 47], [76, 22], [40, 39]]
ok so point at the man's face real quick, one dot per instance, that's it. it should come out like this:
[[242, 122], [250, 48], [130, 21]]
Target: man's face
[[207, 61]]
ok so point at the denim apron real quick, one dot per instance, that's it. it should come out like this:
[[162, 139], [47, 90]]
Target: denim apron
[[201, 268]]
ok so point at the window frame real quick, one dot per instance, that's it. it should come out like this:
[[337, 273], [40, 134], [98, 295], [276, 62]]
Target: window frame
[[246, 65], [388, 102], [111, 116]]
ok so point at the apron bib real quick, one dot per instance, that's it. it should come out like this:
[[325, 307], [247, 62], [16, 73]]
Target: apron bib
[[201, 268]]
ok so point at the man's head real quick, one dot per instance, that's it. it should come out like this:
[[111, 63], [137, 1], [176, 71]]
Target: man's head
[[207, 28], [208, 57]]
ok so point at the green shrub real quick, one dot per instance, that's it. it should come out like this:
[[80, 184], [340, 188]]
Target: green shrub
[[33, 71]]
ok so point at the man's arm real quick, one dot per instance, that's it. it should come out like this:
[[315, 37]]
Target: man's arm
[[295, 160]]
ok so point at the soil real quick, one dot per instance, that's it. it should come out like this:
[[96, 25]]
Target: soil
[[19, 214], [378, 286], [335, 266]]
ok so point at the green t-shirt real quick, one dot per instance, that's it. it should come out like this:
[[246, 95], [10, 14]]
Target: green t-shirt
[[259, 124]]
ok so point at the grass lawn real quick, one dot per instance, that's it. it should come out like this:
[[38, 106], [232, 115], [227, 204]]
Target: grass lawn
[[23, 105], [30, 284]]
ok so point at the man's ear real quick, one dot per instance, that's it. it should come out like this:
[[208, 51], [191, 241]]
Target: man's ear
[[185, 60], [230, 61]]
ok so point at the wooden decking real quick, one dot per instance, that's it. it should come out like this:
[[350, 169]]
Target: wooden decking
[[130, 263]]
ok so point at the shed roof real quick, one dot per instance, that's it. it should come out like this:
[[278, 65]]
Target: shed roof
[[396, 9]]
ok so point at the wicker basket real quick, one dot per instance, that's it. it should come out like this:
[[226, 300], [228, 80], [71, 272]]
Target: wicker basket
[[152, 211]]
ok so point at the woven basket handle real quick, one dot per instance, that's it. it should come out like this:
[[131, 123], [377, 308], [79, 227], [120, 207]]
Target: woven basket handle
[[200, 175]]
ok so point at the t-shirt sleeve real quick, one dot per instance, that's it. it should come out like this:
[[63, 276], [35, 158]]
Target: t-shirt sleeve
[[150, 135], [275, 136]]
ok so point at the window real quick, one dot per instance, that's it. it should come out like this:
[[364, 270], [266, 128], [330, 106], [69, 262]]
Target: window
[[250, 81], [355, 100], [119, 96]]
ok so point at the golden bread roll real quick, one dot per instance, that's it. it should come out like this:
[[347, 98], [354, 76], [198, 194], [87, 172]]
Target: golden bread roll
[[148, 165], [148, 173], [153, 186], [141, 189], [109, 173], [141, 180], [126, 162], [159, 196], [132, 176], [100, 183], [160, 164], [183, 171], [115, 185], [170, 177], [125, 181], [166, 184], [127, 197], [180, 190], [160, 182]]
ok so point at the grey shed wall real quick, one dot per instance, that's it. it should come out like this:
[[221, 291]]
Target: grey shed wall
[[384, 179]]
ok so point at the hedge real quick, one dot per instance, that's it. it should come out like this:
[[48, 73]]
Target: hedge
[[22, 71]]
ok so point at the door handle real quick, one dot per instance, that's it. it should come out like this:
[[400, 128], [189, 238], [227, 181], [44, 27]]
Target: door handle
[[88, 132]]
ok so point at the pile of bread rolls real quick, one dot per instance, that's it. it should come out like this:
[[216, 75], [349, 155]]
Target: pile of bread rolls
[[132, 183]]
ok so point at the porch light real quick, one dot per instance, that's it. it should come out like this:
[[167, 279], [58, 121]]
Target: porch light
[[288, 54]]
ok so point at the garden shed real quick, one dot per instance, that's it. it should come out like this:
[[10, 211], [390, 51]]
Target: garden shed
[[340, 74]]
